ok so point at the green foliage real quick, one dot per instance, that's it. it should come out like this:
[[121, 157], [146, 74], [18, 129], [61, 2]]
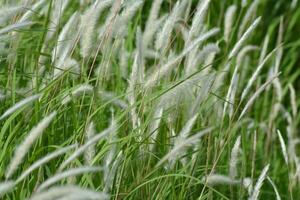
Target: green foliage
[[100, 67]]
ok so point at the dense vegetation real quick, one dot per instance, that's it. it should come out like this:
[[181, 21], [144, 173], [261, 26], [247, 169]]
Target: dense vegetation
[[149, 99]]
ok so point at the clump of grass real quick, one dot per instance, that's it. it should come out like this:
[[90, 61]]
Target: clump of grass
[[189, 97]]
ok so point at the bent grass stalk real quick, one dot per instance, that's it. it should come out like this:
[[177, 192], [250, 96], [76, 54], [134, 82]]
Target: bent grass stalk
[[24, 147]]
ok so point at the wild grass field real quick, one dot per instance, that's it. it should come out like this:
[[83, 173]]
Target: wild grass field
[[149, 99]]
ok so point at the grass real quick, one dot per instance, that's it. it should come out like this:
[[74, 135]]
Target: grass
[[149, 99]]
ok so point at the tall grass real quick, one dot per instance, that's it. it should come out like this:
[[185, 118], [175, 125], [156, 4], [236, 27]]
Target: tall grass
[[138, 99]]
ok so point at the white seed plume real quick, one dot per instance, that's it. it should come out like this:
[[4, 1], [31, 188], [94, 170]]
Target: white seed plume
[[120, 24], [241, 55], [66, 40], [203, 93], [84, 147], [111, 174], [6, 187], [69, 65], [253, 155], [234, 80], [209, 61], [248, 16], [163, 37], [113, 98], [128, 13], [183, 134], [179, 93], [208, 49], [63, 191], [152, 54], [244, 3], [259, 183], [137, 72], [141, 55], [134, 78], [294, 3], [212, 32], [279, 51], [38, 5], [166, 68], [44, 160], [256, 94], [247, 183], [90, 152], [275, 188], [186, 129], [255, 75], [196, 28], [283, 147], [229, 20], [293, 141], [233, 172], [112, 18], [15, 27], [179, 147], [187, 11], [88, 25], [8, 12], [219, 82], [154, 126], [197, 23], [201, 57], [24, 147], [293, 100], [149, 34], [244, 37], [264, 49], [230, 95], [153, 15], [277, 86], [80, 90], [68, 173], [123, 60], [59, 7], [19, 105], [108, 160], [2, 96], [219, 179], [90, 195]]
